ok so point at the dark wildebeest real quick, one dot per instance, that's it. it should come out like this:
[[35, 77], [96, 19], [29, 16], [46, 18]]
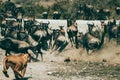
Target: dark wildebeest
[[17, 46], [39, 32], [17, 63], [72, 32], [19, 13], [117, 9], [44, 15], [29, 26], [3, 25], [60, 41], [103, 14], [88, 11], [92, 39], [113, 30], [9, 27], [79, 40], [56, 15], [42, 33], [14, 32]]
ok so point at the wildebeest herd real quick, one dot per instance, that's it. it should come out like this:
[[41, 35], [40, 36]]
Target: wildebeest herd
[[20, 37]]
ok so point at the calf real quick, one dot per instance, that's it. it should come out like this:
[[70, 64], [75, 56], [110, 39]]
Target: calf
[[17, 63]]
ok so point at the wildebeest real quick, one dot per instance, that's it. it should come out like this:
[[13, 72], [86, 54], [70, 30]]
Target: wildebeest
[[72, 32], [29, 25], [12, 29], [60, 41], [94, 30], [103, 14], [18, 46], [56, 15], [117, 9], [19, 11], [113, 30], [17, 63], [3, 25], [42, 33], [88, 11], [79, 40], [10, 44], [44, 15], [9, 27], [93, 39]]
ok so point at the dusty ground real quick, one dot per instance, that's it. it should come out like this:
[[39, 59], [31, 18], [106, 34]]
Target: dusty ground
[[80, 68]]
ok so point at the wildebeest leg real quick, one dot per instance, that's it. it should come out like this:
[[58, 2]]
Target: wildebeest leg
[[118, 39], [63, 46], [71, 40], [41, 55], [7, 52], [109, 38], [87, 50], [74, 39], [36, 53], [76, 42], [50, 43], [55, 45]]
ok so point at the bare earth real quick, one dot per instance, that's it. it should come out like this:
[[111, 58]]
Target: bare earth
[[54, 62]]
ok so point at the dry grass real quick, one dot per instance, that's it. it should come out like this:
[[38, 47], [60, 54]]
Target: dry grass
[[103, 64]]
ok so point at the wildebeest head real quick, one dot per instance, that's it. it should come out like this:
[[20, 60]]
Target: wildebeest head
[[90, 26], [56, 15], [44, 15], [44, 26], [117, 9]]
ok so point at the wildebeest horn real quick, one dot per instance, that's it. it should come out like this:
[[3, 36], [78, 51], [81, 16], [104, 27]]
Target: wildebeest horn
[[107, 18], [48, 22]]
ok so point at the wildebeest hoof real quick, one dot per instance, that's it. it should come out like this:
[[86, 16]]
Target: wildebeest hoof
[[5, 73]]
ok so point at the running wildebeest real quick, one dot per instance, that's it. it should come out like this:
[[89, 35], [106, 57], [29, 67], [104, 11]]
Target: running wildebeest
[[113, 30], [60, 41], [18, 46], [72, 31], [93, 39]]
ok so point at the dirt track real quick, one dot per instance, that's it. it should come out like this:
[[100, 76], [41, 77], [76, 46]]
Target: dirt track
[[44, 70], [53, 63]]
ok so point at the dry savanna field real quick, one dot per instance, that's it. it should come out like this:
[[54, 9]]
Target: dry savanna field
[[103, 64]]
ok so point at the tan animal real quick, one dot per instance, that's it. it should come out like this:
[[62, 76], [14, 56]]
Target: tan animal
[[17, 63]]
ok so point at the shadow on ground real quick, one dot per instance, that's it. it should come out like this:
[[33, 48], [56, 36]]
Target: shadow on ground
[[26, 78]]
